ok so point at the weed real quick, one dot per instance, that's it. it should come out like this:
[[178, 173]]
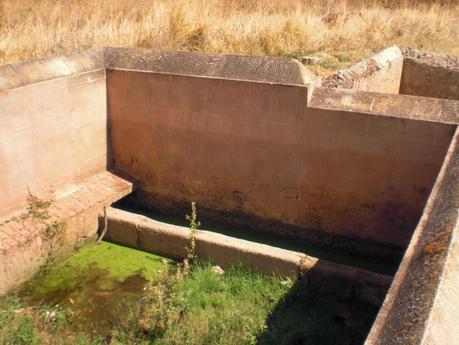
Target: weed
[[194, 224]]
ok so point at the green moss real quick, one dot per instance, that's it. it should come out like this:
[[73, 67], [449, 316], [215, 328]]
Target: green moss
[[114, 262]]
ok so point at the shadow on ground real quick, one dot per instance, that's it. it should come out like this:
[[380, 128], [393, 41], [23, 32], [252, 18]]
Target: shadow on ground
[[319, 311]]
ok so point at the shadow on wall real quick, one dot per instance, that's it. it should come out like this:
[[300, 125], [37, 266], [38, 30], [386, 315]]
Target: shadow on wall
[[319, 310]]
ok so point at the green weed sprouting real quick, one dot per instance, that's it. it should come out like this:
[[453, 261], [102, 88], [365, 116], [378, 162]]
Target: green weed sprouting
[[194, 224], [38, 211]]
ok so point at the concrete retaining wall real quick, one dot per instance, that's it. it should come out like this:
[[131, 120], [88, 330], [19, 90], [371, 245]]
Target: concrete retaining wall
[[421, 305], [52, 133], [429, 75], [252, 148]]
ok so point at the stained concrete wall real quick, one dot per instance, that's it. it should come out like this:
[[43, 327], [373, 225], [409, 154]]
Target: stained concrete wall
[[379, 73], [430, 75], [52, 132], [421, 79], [421, 305], [256, 148]]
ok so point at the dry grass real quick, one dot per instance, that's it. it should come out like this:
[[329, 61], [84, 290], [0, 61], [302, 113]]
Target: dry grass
[[343, 29]]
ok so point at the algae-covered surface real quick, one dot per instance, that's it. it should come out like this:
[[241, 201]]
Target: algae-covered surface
[[109, 294], [96, 285]]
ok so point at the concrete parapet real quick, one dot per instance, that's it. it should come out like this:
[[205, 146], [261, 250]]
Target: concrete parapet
[[236, 67]]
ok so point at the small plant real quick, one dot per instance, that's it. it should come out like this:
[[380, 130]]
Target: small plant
[[194, 225], [38, 211]]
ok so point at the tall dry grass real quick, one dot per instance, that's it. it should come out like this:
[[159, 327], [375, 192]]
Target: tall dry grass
[[347, 29]]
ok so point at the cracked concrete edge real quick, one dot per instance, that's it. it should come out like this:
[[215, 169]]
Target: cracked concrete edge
[[406, 314], [147, 234]]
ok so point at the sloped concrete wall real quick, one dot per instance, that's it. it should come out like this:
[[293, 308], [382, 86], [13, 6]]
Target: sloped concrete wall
[[256, 148], [379, 73], [52, 132]]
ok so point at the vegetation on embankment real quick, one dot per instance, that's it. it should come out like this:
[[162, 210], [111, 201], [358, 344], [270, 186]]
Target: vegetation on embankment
[[340, 31]]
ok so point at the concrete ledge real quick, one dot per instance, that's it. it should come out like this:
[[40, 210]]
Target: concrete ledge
[[27, 244], [383, 104], [169, 240]]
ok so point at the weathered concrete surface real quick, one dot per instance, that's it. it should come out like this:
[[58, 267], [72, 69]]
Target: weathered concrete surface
[[35, 71], [257, 148], [170, 240], [25, 245], [52, 133], [240, 67], [429, 75], [421, 306], [379, 73], [361, 169], [442, 111]]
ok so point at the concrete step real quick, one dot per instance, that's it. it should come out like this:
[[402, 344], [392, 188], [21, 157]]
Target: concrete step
[[27, 241]]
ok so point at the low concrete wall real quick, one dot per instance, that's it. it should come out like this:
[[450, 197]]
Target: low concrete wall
[[171, 241], [379, 73], [429, 75], [53, 127], [257, 150]]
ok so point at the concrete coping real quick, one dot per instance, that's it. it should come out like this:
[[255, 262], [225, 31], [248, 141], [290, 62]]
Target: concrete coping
[[29, 72], [234, 67], [383, 104], [403, 318]]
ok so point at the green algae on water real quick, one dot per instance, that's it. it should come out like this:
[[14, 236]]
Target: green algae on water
[[97, 285], [115, 262]]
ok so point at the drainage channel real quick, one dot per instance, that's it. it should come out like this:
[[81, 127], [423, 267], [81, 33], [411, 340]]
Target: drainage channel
[[376, 266]]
